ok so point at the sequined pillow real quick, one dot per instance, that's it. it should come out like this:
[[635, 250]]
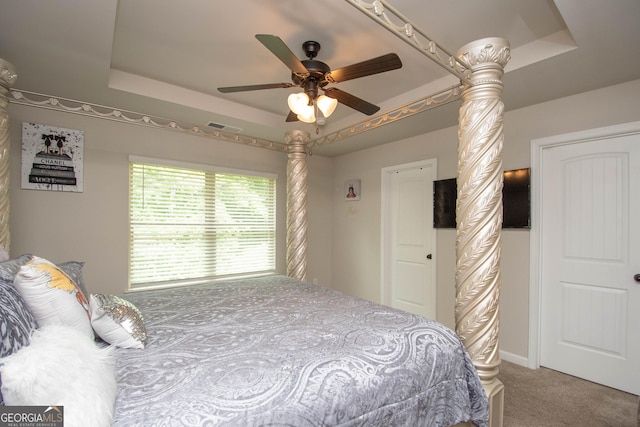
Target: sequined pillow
[[117, 321], [52, 296]]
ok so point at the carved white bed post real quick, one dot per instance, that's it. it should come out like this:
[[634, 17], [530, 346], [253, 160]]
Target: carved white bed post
[[479, 213], [297, 204], [8, 77]]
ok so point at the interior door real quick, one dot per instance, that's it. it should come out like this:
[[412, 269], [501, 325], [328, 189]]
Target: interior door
[[411, 239], [590, 252]]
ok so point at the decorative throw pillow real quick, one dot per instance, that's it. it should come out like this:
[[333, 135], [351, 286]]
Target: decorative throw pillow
[[73, 269], [9, 268], [62, 366], [16, 322], [52, 296], [117, 321]]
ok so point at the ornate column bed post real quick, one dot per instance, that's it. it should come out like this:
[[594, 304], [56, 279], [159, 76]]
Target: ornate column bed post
[[297, 204], [479, 213], [8, 77]]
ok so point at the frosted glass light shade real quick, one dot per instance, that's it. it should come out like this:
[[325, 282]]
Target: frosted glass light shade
[[307, 115], [326, 105], [298, 102]]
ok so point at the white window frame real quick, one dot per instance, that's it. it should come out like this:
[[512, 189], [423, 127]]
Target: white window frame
[[268, 264]]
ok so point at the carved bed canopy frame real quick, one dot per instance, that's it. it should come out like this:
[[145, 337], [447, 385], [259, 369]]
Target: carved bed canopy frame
[[479, 66]]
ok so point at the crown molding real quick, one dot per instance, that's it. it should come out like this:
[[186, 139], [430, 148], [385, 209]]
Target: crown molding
[[38, 100], [407, 110], [72, 106], [387, 16]]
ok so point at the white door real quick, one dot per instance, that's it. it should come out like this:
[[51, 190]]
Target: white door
[[410, 239], [590, 252]]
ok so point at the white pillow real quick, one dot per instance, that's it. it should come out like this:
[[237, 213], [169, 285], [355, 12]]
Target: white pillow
[[62, 367], [117, 321], [52, 296]]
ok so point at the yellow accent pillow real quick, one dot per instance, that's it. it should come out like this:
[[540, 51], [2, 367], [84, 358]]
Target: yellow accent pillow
[[52, 296]]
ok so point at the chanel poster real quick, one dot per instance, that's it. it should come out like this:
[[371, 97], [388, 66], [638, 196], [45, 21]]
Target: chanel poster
[[52, 158]]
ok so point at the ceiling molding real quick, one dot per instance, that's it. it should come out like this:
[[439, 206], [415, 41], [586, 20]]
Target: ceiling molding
[[432, 101], [409, 33], [72, 106]]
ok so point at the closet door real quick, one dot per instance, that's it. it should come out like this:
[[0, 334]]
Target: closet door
[[590, 253], [408, 238]]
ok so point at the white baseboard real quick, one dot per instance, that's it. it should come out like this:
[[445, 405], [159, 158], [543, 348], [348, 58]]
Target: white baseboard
[[514, 358]]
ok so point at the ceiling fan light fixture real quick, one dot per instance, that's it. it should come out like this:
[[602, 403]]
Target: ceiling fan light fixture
[[299, 103], [327, 105], [312, 76]]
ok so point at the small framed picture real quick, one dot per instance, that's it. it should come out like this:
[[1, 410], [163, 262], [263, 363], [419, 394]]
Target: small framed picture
[[352, 190]]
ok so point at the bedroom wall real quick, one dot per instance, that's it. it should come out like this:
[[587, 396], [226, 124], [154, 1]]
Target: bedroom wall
[[356, 225], [93, 226]]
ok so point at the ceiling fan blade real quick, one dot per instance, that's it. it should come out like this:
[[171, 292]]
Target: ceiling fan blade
[[254, 87], [292, 117], [383, 63], [282, 51], [351, 101]]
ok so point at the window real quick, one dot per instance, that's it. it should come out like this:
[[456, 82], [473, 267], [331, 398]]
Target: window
[[191, 225]]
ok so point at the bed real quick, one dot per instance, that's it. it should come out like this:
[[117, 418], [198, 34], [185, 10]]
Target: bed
[[247, 352], [277, 351]]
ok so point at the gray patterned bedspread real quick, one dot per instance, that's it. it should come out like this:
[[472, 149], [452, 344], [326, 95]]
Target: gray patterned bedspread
[[275, 351]]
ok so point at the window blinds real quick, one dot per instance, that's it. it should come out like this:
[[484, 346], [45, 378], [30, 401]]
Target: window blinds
[[189, 225]]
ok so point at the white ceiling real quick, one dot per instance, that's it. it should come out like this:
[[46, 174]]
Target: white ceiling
[[167, 58]]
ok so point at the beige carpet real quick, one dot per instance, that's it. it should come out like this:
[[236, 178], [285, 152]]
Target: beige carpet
[[543, 397]]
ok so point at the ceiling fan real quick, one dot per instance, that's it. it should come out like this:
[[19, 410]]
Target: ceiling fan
[[314, 76]]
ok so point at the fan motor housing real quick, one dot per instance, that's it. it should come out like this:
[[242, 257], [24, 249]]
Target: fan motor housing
[[317, 71]]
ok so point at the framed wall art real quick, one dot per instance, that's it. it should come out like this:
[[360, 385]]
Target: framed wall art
[[52, 158], [352, 190]]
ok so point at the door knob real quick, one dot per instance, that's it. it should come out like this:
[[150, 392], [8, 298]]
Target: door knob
[[637, 277], [429, 257]]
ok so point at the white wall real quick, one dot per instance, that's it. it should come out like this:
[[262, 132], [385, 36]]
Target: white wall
[[356, 225], [319, 208], [92, 226]]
